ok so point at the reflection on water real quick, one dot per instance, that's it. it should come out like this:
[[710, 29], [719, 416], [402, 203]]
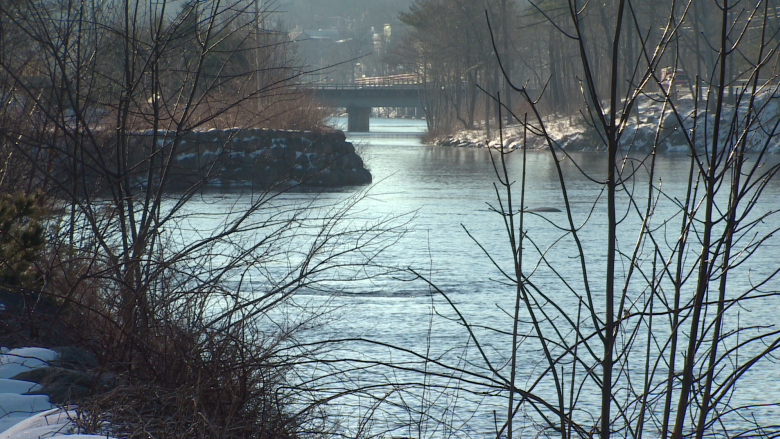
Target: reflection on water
[[452, 192]]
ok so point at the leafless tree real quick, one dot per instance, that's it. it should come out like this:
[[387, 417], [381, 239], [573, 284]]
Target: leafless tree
[[676, 318], [654, 302], [102, 96]]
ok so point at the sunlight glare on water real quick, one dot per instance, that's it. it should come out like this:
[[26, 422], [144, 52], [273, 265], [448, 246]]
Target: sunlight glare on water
[[452, 195]]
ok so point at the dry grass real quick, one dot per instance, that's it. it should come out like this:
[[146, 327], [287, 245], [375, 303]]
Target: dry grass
[[286, 108], [203, 394], [176, 381]]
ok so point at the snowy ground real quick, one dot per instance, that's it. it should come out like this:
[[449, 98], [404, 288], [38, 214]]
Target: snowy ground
[[31, 416], [649, 117]]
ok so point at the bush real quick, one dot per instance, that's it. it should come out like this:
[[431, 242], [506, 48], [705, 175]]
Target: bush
[[21, 239]]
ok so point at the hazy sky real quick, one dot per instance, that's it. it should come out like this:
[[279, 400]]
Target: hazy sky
[[326, 13]]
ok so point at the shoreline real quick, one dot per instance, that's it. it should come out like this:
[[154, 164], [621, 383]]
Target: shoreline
[[651, 127]]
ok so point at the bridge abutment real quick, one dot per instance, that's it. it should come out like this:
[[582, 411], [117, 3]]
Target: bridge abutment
[[357, 119], [359, 99]]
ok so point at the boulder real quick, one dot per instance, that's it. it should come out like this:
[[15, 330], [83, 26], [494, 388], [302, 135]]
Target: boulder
[[65, 386]]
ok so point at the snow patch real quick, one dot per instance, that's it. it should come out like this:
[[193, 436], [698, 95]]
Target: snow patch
[[32, 416], [256, 153], [649, 117], [17, 386], [278, 143]]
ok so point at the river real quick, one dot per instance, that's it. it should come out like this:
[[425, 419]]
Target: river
[[448, 195]]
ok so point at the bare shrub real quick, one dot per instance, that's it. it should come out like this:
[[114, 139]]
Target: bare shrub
[[193, 319], [298, 111]]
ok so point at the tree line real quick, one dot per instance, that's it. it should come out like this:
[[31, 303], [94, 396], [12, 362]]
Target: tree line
[[450, 46]]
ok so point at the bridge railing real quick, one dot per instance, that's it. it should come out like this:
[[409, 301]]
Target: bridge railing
[[402, 79], [335, 86], [395, 81]]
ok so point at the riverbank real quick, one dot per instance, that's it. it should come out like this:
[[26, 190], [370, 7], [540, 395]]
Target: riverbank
[[36, 385], [650, 123]]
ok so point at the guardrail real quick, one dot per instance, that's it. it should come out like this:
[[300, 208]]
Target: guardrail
[[332, 86], [403, 78]]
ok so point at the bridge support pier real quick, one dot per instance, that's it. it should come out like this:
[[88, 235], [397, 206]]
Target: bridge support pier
[[357, 119]]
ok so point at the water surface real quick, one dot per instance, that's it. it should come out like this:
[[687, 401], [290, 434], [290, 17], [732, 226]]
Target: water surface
[[451, 195]]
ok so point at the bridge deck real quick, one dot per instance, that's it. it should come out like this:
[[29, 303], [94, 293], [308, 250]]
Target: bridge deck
[[358, 99]]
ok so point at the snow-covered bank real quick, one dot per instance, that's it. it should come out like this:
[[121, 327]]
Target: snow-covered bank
[[563, 130], [648, 119], [32, 416]]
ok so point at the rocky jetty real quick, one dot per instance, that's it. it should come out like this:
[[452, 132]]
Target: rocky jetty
[[257, 158]]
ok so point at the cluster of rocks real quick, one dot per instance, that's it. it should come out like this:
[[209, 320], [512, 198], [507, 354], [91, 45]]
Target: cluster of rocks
[[66, 374], [459, 143], [71, 376], [652, 126], [259, 157], [511, 142]]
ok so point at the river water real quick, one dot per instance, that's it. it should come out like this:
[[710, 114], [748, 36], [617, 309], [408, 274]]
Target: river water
[[445, 197]]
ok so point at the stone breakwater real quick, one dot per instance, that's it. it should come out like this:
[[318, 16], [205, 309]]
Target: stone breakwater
[[257, 158]]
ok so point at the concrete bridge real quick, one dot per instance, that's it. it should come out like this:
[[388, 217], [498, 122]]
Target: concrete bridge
[[359, 98]]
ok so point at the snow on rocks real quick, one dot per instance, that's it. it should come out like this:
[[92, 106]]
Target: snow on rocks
[[650, 117], [21, 360], [53, 423], [260, 157], [25, 416], [17, 386]]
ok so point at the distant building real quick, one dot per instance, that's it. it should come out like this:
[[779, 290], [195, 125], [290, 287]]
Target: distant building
[[332, 55]]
